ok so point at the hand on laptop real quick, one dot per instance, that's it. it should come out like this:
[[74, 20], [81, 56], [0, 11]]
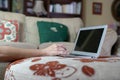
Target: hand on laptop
[[55, 49]]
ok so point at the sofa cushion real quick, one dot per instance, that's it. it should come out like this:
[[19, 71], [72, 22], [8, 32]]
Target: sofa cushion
[[62, 68], [52, 32], [9, 30], [32, 35], [16, 16]]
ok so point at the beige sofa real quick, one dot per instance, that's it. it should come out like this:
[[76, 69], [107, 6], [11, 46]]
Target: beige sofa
[[29, 37], [55, 67]]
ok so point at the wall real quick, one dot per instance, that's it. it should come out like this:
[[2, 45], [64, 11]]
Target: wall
[[92, 19]]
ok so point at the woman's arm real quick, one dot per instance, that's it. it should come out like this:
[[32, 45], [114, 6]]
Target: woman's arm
[[8, 53]]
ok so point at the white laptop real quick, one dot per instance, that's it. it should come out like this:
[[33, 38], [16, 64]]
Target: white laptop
[[89, 42]]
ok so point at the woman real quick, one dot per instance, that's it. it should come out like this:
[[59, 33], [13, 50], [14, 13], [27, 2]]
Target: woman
[[8, 53]]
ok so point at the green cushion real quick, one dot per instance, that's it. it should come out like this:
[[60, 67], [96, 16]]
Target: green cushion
[[52, 32]]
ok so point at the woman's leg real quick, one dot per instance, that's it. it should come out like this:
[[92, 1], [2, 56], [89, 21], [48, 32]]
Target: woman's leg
[[8, 53]]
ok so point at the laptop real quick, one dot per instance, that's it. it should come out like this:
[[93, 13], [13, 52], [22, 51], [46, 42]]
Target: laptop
[[89, 42]]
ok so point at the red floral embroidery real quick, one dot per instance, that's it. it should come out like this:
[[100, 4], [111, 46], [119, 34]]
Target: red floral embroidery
[[4, 31], [15, 22], [89, 71], [47, 69]]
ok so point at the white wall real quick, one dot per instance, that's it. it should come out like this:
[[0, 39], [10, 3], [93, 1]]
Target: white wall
[[92, 19]]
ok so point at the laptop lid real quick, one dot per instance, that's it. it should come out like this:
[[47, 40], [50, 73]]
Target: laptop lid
[[89, 41]]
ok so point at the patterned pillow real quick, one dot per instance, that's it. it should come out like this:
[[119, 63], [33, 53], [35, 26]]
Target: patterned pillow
[[52, 32], [9, 30]]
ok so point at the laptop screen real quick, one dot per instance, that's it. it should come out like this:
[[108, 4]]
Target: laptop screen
[[89, 40]]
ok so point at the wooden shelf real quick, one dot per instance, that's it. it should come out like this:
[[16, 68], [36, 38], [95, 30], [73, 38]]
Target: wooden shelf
[[8, 8], [29, 4], [62, 15], [4, 9], [63, 1]]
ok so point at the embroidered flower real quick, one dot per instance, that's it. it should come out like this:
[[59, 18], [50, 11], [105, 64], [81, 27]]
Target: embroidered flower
[[87, 70], [47, 69]]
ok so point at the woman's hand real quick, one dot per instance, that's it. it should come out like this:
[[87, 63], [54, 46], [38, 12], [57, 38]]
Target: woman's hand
[[55, 49]]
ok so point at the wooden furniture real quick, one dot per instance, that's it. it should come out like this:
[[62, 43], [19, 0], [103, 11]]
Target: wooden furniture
[[5, 5], [29, 4], [66, 3], [47, 5]]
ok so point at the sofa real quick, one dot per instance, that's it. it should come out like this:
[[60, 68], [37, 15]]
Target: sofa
[[57, 67], [28, 33]]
